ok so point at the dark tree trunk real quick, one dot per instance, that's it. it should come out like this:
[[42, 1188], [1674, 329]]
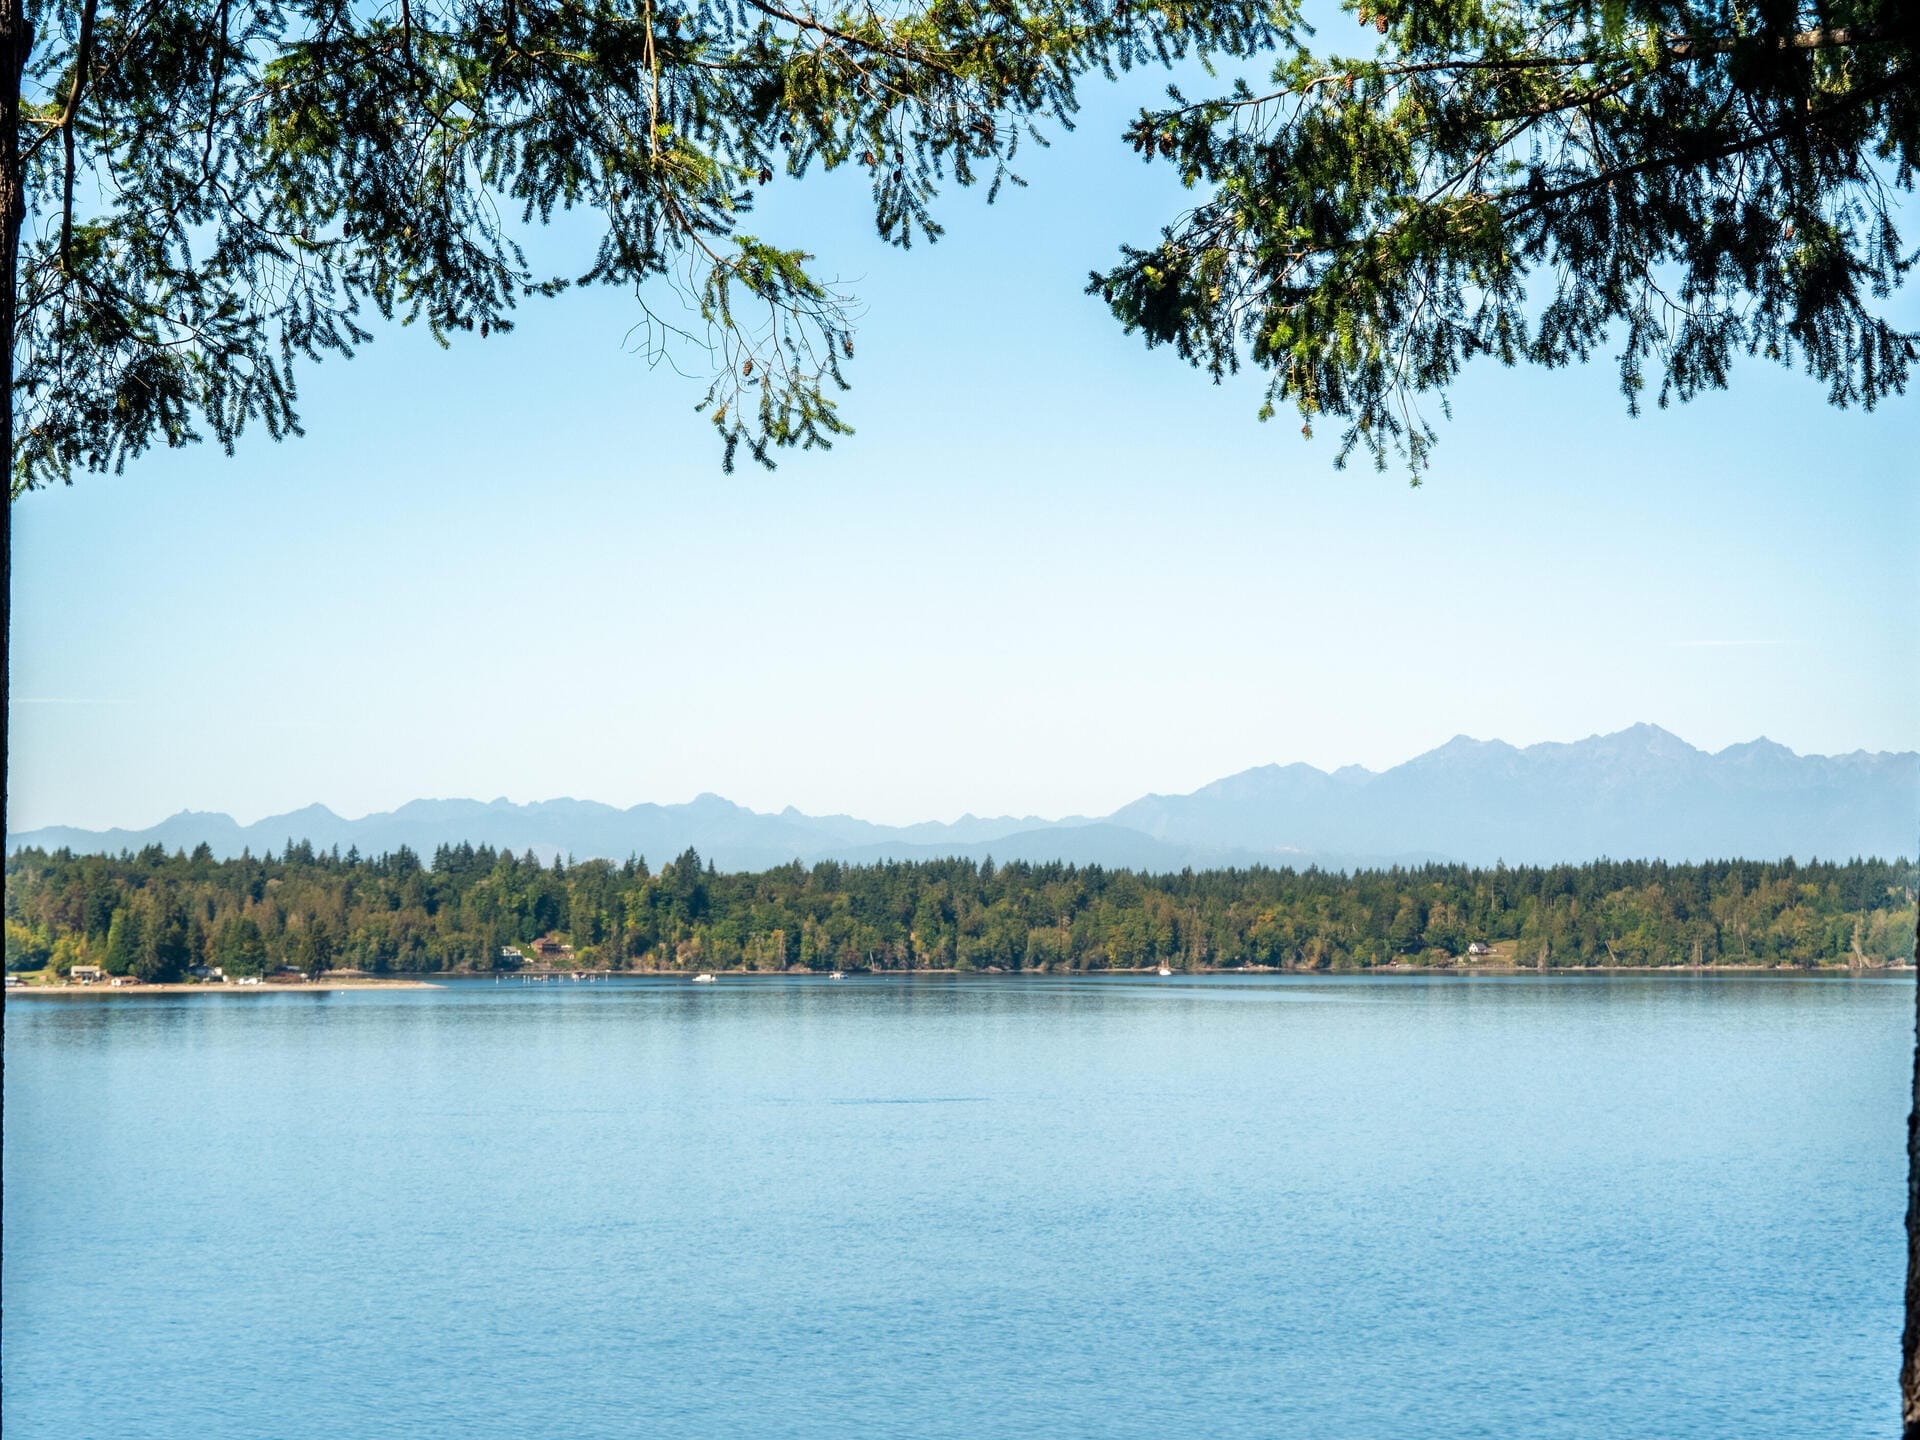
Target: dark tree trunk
[[16, 39]]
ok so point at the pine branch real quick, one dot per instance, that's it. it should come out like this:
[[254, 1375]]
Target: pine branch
[[1814, 120], [1682, 48]]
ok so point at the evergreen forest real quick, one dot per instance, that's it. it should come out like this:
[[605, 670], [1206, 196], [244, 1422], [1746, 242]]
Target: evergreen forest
[[158, 915]]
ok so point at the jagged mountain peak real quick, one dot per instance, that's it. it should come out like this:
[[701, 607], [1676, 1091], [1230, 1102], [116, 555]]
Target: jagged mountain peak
[[1641, 791], [1760, 747], [1653, 739]]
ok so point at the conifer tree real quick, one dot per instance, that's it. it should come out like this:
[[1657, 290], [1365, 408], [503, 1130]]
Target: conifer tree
[[1675, 183], [200, 195], [123, 942]]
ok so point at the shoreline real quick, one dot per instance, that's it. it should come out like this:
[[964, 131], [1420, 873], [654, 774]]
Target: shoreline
[[265, 987], [440, 978]]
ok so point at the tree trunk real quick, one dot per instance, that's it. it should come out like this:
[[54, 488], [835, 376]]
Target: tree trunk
[[1910, 1338], [16, 39]]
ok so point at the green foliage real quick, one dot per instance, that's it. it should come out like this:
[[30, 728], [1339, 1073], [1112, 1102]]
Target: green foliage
[[1532, 180], [219, 190], [28, 948], [123, 942], [165, 938], [392, 914], [238, 946], [68, 951]]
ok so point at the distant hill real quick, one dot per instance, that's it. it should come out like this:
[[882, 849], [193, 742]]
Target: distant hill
[[1639, 793]]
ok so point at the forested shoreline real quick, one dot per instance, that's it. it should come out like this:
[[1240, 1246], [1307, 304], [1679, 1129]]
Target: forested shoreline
[[157, 915]]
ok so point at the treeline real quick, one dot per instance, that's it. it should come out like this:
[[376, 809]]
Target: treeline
[[158, 914]]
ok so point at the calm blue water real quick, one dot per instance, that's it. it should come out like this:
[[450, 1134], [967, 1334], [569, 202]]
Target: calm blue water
[[1630, 1207]]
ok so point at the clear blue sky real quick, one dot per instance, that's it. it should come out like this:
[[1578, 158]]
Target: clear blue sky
[[1052, 571]]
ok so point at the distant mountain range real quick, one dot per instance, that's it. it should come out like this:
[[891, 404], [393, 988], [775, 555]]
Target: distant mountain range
[[1639, 793]]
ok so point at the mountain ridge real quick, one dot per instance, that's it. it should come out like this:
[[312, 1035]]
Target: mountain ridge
[[1641, 792]]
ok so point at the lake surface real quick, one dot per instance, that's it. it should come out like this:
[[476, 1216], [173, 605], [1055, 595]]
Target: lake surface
[[1615, 1207]]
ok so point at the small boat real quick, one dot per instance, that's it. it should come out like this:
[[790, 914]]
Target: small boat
[[1165, 971], [703, 978], [836, 975]]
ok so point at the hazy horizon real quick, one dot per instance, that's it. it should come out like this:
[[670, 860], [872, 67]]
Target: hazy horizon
[[321, 802]]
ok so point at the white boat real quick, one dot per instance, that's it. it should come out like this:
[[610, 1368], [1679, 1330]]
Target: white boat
[[1165, 971], [703, 978], [836, 975]]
